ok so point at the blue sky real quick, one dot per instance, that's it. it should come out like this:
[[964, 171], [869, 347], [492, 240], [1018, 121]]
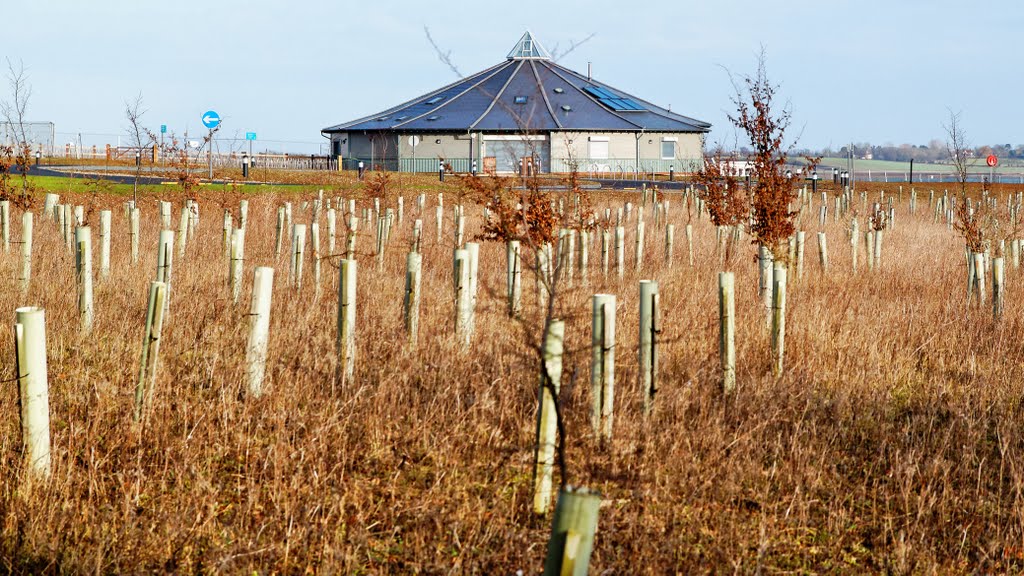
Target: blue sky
[[884, 72]]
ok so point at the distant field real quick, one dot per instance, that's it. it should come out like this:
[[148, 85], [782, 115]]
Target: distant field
[[886, 165]]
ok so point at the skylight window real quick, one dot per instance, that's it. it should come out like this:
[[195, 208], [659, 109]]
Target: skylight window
[[382, 118], [519, 100], [432, 118], [401, 118], [566, 107], [434, 100], [559, 91]]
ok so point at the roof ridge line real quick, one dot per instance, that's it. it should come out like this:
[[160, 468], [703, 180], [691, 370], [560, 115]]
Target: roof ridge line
[[669, 114], [519, 64], [544, 95], [397, 107], [591, 98], [499, 67]]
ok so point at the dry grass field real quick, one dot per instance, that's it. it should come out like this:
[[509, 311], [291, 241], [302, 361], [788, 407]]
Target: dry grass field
[[892, 442]]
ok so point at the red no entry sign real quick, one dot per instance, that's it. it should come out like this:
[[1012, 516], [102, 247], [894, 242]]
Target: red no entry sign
[[992, 160]]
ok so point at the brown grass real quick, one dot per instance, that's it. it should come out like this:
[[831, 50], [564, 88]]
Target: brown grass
[[891, 442]]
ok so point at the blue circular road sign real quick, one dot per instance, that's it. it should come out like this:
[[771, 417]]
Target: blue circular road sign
[[211, 119]]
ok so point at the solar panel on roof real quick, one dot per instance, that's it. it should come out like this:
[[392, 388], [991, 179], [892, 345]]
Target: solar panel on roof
[[613, 102]]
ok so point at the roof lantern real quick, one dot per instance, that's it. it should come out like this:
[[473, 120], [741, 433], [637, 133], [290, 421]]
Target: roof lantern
[[528, 48]]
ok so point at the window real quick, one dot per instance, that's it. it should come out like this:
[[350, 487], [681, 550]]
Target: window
[[519, 99], [597, 149], [434, 100], [559, 91], [668, 150], [401, 118], [566, 107], [432, 118]]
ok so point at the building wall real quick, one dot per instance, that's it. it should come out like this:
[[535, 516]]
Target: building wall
[[436, 146], [623, 146]]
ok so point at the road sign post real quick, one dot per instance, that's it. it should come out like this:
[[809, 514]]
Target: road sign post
[[211, 120]]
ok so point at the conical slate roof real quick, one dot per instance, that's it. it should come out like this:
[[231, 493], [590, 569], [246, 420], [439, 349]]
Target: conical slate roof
[[528, 91]]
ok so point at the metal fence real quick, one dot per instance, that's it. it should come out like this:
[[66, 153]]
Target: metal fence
[[625, 168]]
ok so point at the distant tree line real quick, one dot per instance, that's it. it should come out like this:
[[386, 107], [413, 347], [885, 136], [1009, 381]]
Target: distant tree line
[[934, 151]]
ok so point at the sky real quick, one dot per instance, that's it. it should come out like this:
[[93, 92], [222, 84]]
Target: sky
[[851, 71]]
